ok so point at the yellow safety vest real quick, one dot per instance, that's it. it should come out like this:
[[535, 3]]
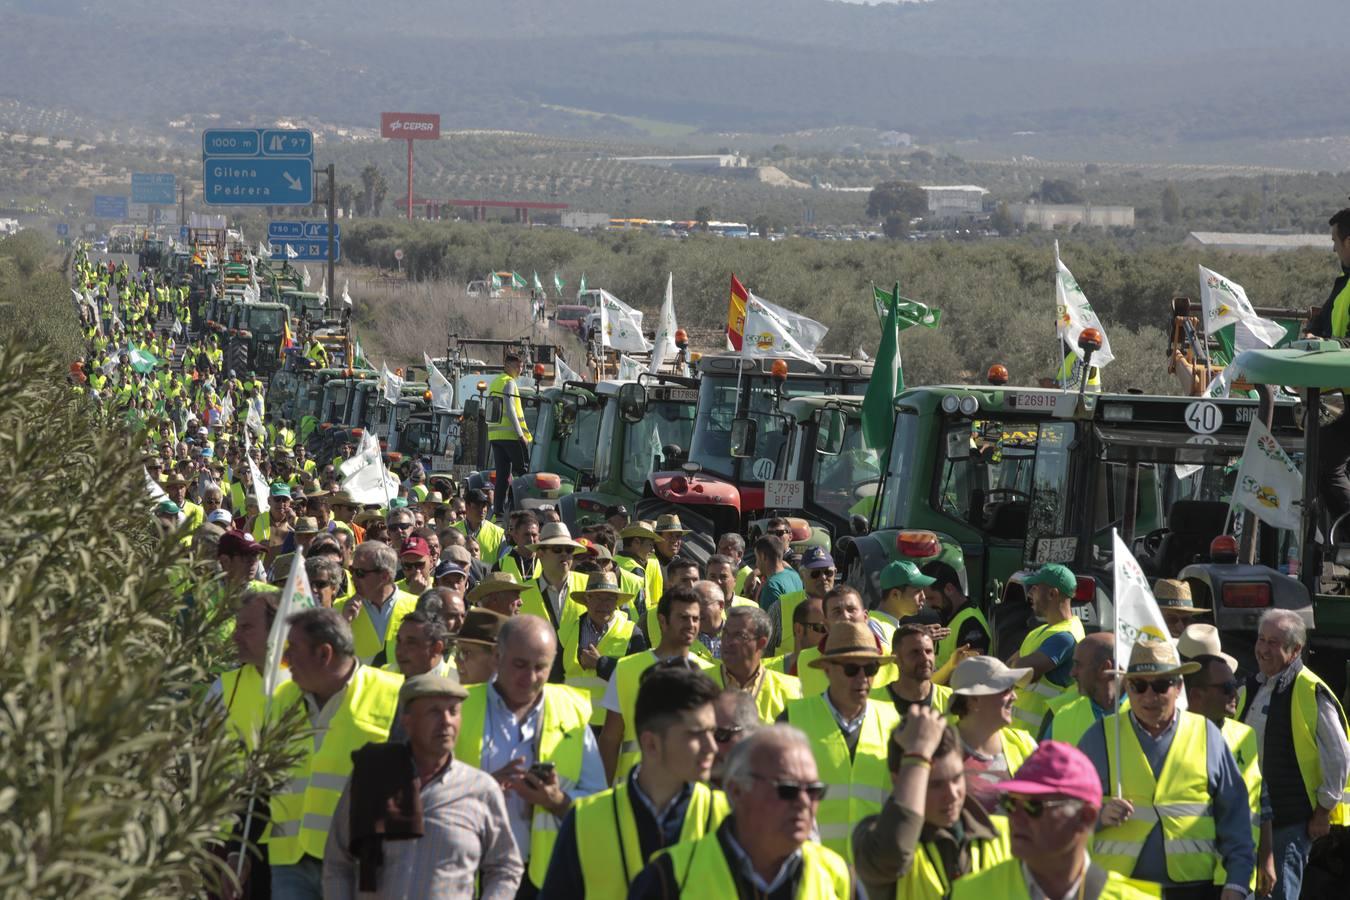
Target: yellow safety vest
[[242, 696], [1241, 740], [608, 847], [501, 429], [787, 605], [370, 645], [701, 871], [927, 879], [1033, 700], [489, 539], [507, 563], [775, 690], [858, 785], [1340, 318], [1303, 724], [613, 644], [626, 676], [1074, 715], [302, 811], [947, 646], [815, 681], [562, 721], [1005, 882], [1178, 799], [532, 602], [942, 696]]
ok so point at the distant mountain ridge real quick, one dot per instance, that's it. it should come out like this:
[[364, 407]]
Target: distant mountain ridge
[[1176, 69]]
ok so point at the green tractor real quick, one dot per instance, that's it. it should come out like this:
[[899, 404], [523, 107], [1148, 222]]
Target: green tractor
[[564, 445], [254, 334], [998, 480]]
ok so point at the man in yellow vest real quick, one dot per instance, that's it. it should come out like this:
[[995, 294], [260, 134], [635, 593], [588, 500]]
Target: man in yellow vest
[[517, 557], [744, 638], [1305, 757], [1052, 807], [1333, 323], [1048, 649], [508, 432], [764, 848], [912, 648], [533, 737], [678, 614], [608, 838], [478, 526], [848, 732], [549, 595], [464, 847], [1212, 692], [844, 604], [1182, 807], [930, 831], [966, 626], [1097, 695], [636, 557], [592, 645], [348, 705], [817, 574], [377, 607]]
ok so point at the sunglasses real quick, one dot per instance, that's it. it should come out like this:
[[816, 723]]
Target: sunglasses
[[852, 669], [823, 573], [560, 551], [1228, 687], [789, 791], [722, 735], [413, 563], [1158, 685], [399, 526], [362, 573], [817, 627], [1034, 807], [320, 585], [780, 532]]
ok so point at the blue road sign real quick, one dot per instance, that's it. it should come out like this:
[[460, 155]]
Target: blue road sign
[[290, 142], [258, 181], [152, 187], [309, 251], [285, 231], [183, 233], [62, 229], [230, 142], [110, 206], [319, 231]]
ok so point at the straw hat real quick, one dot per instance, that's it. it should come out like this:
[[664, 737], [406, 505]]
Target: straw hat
[[670, 522], [605, 583], [849, 642], [497, 583], [982, 676], [1152, 658], [1202, 639], [555, 534], [1175, 595], [640, 530]]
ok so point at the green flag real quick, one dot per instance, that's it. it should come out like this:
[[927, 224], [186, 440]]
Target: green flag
[[558, 283], [538, 285], [142, 360], [911, 312], [496, 282], [581, 288], [878, 408], [517, 281], [359, 356]]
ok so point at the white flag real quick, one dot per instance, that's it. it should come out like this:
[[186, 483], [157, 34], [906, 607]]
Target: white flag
[[808, 333], [393, 385], [1268, 483], [621, 325], [1137, 613], [226, 410], [664, 347], [346, 297], [210, 259], [1224, 302], [323, 289], [304, 276], [153, 487], [260, 490], [629, 368], [264, 250], [562, 372], [442, 392], [296, 596], [766, 335], [253, 421], [1073, 315], [290, 252], [364, 475]]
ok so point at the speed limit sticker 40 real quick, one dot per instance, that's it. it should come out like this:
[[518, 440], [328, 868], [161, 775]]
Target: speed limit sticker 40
[[1204, 417]]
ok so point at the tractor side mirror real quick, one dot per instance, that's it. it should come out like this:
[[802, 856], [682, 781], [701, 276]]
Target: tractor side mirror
[[830, 426], [743, 433], [632, 402]]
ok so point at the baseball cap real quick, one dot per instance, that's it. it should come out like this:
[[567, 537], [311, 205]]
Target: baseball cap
[[1056, 576], [415, 546], [220, 517], [238, 543], [981, 676], [1056, 768], [449, 567], [430, 685], [281, 489], [476, 495], [817, 558], [903, 573], [167, 508]]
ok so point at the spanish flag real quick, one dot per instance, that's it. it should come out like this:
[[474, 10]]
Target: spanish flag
[[736, 313], [287, 341]]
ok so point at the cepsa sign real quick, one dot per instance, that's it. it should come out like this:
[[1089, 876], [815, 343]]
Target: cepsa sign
[[411, 126]]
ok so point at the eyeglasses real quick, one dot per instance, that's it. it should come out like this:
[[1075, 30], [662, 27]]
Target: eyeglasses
[[1034, 807], [413, 563], [1228, 687], [852, 669], [817, 627], [722, 735], [823, 573], [1158, 685], [789, 791]]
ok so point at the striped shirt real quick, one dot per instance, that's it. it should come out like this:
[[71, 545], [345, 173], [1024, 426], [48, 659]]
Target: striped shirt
[[466, 835]]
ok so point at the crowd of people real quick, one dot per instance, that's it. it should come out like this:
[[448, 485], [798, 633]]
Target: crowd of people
[[501, 707]]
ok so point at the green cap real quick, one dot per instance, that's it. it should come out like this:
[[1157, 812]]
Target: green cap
[[167, 508], [903, 573], [398, 503], [281, 489], [1056, 576]]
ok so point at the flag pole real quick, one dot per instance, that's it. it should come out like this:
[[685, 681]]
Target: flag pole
[[1120, 679]]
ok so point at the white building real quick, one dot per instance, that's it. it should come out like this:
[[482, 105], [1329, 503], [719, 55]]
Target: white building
[[706, 163], [954, 201], [1049, 216], [1237, 242]]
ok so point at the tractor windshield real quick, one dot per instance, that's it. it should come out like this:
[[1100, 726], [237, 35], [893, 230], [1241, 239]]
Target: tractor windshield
[[667, 424], [846, 483], [718, 405]]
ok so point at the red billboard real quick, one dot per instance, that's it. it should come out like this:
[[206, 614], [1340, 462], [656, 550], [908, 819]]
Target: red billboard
[[410, 126]]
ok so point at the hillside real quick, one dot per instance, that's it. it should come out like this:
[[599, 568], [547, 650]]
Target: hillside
[[943, 69]]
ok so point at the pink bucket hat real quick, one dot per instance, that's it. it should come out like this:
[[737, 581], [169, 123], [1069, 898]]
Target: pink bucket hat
[[1057, 768]]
